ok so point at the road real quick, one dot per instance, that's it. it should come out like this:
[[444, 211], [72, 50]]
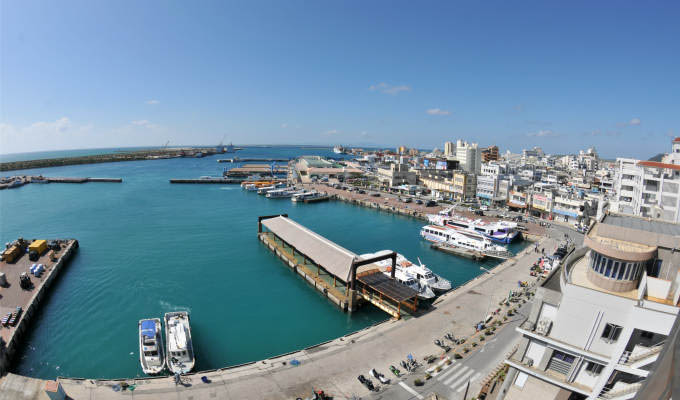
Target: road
[[452, 380]]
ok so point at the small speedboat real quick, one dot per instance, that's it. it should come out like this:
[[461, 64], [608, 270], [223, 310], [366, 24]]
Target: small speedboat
[[180, 357], [151, 346]]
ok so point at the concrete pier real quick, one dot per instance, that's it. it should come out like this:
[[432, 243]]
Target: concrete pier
[[207, 181], [29, 300], [237, 160]]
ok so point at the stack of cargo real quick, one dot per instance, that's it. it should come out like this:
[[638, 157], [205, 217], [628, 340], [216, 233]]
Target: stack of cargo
[[11, 254], [39, 246], [37, 270]]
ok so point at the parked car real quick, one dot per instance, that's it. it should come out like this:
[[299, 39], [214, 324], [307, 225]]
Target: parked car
[[430, 203], [479, 212], [362, 191], [484, 208], [376, 194], [418, 201], [408, 200]]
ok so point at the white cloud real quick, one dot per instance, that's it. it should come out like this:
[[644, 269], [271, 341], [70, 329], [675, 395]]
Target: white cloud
[[60, 125], [284, 125], [331, 132], [634, 122], [152, 102], [438, 111], [543, 133], [364, 133], [140, 122], [389, 89]]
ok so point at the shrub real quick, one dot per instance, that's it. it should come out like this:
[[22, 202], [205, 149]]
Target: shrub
[[418, 382], [462, 340], [505, 318], [481, 338], [457, 356], [439, 368], [487, 332], [474, 344], [448, 361], [427, 376], [466, 350]]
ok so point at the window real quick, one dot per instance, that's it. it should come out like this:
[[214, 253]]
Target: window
[[611, 332], [622, 269], [647, 335], [593, 368], [608, 270]]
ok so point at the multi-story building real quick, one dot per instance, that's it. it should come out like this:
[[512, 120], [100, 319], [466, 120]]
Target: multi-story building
[[649, 188], [464, 185], [493, 169], [542, 204], [440, 182], [469, 156], [490, 154], [450, 149], [600, 320], [488, 190], [396, 174]]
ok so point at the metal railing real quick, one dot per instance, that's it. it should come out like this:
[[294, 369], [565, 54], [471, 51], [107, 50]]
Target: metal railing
[[628, 358], [609, 394]]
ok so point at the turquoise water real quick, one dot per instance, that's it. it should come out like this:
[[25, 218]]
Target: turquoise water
[[148, 247]]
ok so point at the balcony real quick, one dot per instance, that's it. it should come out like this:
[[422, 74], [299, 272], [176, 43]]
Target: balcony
[[620, 391], [549, 376]]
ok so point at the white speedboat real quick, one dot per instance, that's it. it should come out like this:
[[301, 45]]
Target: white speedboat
[[180, 357], [460, 238], [151, 346], [338, 150], [424, 275], [403, 277]]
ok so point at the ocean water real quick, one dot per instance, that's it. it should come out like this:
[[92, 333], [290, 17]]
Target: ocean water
[[148, 247]]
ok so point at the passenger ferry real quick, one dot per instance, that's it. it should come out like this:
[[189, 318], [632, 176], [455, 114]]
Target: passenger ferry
[[283, 193], [460, 238], [425, 292], [501, 231], [301, 197], [267, 189]]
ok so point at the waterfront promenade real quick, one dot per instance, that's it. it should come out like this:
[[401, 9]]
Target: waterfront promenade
[[332, 366]]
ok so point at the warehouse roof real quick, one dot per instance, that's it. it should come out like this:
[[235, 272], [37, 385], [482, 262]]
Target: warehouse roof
[[333, 258]]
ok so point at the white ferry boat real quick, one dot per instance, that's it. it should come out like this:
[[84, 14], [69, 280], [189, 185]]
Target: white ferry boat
[[283, 193], [267, 189], [500, 231], [151, 346], [461, 238], [180, 357], [338, 150], [301, 197], [424, 275], [403, 277]]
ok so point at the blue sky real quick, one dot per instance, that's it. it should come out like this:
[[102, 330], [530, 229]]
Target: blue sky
[[560, 75]]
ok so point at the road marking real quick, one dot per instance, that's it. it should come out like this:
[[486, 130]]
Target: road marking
[[474, 378], [442, 364], [453, 368], [462, 381], [408, 389], [454, 376]]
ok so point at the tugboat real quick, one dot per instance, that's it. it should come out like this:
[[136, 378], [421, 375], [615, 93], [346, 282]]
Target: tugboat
[[180, 356], [151, 346]]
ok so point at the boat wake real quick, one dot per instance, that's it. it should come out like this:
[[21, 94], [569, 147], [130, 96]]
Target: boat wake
[[167, 307]]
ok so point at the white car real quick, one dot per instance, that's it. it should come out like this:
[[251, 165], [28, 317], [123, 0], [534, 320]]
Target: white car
[[484, 208]]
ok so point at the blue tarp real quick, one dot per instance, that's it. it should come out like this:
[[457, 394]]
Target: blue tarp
[[149, 328]]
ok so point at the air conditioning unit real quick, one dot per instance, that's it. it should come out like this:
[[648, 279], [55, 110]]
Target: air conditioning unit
[[529, 361]]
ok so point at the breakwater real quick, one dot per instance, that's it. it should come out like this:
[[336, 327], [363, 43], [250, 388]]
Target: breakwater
[[152, 154], [18, 181]]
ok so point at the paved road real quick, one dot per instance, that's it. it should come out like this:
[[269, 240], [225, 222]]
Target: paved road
[[452, 380]]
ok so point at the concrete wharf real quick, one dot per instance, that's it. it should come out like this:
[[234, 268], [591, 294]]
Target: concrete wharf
[[238, 160], [18, 181], [13, 295], [340, 275], [207, 180]]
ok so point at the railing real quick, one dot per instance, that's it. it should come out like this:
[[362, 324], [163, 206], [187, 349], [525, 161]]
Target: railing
[[628, 358], [608, 394]]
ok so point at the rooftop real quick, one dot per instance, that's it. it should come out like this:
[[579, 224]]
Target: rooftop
[[579, 276], [642, 224]]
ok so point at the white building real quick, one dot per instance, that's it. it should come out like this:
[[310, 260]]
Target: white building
[[649, 188], [469, 156], [449, 149], [599, 321]]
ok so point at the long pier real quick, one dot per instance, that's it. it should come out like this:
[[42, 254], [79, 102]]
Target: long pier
[[29, 300], [150, 154], [237, 160], [19, 181], [207, 180]]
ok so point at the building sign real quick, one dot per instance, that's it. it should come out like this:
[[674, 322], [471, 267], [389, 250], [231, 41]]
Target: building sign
[[441, 165]]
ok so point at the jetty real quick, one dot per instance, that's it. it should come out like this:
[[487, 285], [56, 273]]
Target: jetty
[[137, 155], [53, 255], [18, 181], [338, 274], [207, 180]]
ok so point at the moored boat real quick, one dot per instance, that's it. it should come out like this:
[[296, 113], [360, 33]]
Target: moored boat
[[463, 239], [180, 357], [151, 355], [498, 231], [403, 277]]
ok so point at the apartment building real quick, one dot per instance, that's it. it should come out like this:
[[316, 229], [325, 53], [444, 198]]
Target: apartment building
[[600, 320], [488, 190], [490, 154], [469, 156], [396, 174], [464, 185]]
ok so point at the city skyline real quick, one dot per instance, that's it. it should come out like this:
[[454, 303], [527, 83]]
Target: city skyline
[[82, 75]]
